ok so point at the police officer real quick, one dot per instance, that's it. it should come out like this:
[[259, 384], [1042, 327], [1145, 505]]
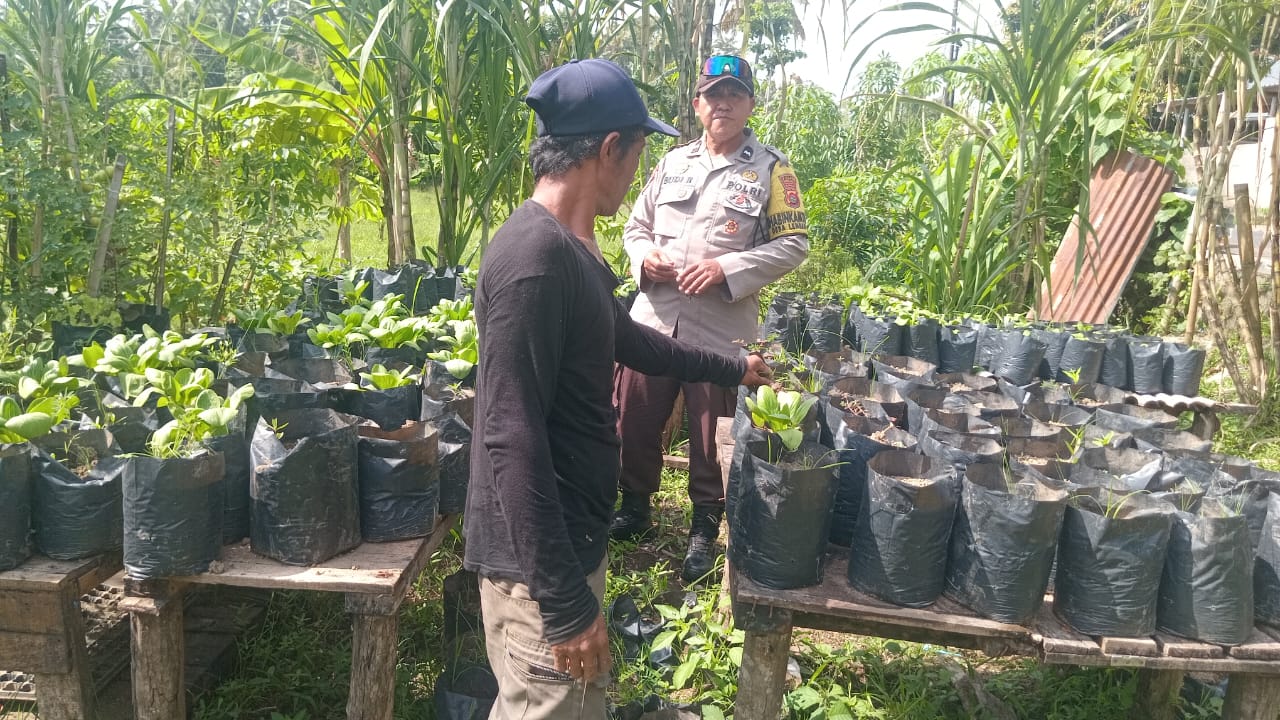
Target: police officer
[[719, 219]]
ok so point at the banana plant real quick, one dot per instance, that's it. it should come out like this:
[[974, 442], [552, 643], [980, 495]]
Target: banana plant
[[462, 348], [781, 412]]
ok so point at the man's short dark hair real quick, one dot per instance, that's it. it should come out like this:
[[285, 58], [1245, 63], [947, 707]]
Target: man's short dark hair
[[555, 155]]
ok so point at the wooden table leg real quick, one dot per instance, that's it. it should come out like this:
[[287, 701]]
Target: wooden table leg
[[763, 674], [1158, 694], [69, 695], [1252, 697], [157, 655], [373, 663]]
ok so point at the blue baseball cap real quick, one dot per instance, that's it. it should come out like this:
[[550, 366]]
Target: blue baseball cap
[[584, 97]]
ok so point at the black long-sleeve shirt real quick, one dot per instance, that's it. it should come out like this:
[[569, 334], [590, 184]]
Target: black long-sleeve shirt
[[544, 459]]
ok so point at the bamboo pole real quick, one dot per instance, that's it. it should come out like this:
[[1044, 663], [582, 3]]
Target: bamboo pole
[[11, 224], [344, 202], [1273, 221], [104, 228], [166, 219]]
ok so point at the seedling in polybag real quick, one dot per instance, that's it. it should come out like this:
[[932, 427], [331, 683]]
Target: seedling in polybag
[[782, 413], [385, 379], [462, 351]]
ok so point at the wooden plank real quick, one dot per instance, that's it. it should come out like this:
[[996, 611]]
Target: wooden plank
[[69, 695], [29, 612], [374, 568], [1174, 646], [373, 668], [1259, 646], [43, 573], [834, 597], [1141, 646], [156, 652], [724, 431], [1250, 697], [1205, 665], [675, 462], [1056, 637], [36, 653], [762, 676]]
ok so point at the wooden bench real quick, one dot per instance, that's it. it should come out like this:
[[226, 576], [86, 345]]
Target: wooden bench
[[42, 632], [374, 577]]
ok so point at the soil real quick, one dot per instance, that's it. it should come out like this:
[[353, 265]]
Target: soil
[[880, 437]]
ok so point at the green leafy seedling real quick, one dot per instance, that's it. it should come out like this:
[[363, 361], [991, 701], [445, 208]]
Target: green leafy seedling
[[781, 412], [383, 378]]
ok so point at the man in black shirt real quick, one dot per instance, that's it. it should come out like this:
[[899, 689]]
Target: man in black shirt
[[545, 448]]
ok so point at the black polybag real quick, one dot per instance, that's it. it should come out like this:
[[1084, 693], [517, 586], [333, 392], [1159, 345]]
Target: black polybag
[[1206, 592], [465, 692], [960, 450], [1128, 418], [305, 502], [920, 340], [1266, 566], [957, 349], [320, 294], [15, 505], [856, 440], [880, 336], [1146, 365], [389, 408], [1114, 370], [1055, 342], [822, 327], [407, 354], [439, 400], [1110, 561], [899, 548], [313, 369], [1183, 367], [455, 462], [172, 514], [76, 517], [784, 507], [784, 322], [236, 473], [1018, 357], [988, 344], [1082, 357], [399, 481], [1003, 542]]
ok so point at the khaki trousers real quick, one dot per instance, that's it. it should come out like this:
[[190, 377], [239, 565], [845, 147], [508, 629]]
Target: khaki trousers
[[529, 686]]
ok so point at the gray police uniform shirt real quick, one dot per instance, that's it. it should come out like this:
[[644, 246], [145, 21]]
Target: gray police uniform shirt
[[744, 210]]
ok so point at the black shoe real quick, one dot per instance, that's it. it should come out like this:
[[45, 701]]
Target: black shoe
[[631, 520], [700, 560]]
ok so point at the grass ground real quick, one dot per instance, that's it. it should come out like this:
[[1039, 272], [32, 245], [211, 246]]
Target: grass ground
[[296, 667]]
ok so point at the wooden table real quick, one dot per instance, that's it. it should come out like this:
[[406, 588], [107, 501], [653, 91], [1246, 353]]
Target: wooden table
[[41, 630], [374, 577], [768, 616]]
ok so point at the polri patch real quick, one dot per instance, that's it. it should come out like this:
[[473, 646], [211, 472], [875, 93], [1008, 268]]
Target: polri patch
[[750, 175], [731, 227], [740, 201], [748, 152]]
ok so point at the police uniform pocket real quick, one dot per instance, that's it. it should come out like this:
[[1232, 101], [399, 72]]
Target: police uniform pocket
[[533, 660], [673, 206], [740, 216]]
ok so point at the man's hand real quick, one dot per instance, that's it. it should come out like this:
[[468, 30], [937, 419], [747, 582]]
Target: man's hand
[[697, 279], [586, 655], [658, 267], [758, 372]]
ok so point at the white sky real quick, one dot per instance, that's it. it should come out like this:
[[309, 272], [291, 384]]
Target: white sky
[[827, 66]]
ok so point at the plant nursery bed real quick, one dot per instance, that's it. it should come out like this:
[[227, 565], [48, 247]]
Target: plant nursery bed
[[374, 577], [768, 616]]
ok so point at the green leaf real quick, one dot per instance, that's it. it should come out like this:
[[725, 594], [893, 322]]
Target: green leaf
[[29, 425], [681, 676], [791, 438], [664, 640], [9, 408], [28, 387], [711, 712], [218, 418], [458, 368]]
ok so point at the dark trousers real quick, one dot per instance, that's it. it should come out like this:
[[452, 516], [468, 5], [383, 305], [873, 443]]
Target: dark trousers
[[644, 404]]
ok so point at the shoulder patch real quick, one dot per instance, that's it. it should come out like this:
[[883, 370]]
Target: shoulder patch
[[785, 212]]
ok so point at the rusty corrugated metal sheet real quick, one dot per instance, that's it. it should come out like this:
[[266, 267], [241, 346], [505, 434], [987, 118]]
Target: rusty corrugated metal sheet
[[1124, 195]]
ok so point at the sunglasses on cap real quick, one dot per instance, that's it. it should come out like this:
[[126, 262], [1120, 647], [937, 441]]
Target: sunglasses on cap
[[731, 65]]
